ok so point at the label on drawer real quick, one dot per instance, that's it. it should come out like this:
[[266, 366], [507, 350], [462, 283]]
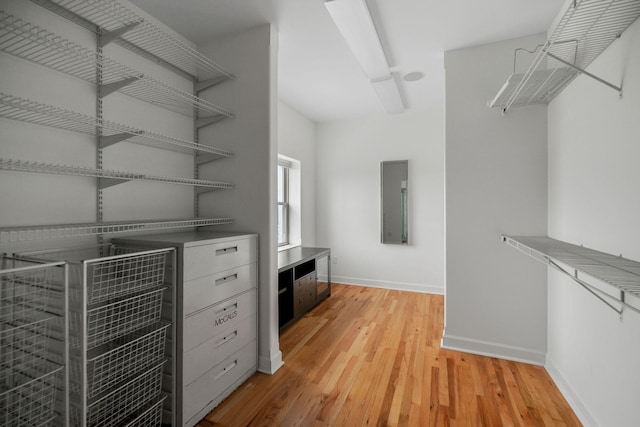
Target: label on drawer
[[204, 392], [200, 261], [210, 322], [208, 290], [203, 357]]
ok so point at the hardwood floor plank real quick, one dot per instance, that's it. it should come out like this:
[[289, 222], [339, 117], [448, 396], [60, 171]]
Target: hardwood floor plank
[[370, 356]]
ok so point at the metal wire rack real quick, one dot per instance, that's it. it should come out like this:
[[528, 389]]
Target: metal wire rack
[[622, 274], [32, 376], [27, 41], [107, 272], [118, 405], [107, 177], [114, 362], [115, 320], [142, 36], [56, 231], [583, 31], [150, 417], [15, 108]]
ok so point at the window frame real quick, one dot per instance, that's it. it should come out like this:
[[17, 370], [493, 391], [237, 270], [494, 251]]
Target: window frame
[[286, 166]]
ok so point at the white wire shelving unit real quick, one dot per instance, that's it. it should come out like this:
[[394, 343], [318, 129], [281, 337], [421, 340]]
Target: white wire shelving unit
[[29, 42], [107, 177], [583, 31], [583, 265], [25, 110], [116, 337], [34, 374], [119, 23], [57, 231]]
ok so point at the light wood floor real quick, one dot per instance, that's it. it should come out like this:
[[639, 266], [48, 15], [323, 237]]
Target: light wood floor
[[372, 356]]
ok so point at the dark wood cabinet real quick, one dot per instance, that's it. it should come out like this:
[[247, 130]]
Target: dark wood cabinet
[[304, 280]]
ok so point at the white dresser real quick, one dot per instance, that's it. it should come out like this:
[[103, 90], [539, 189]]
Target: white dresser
[[216, 336]]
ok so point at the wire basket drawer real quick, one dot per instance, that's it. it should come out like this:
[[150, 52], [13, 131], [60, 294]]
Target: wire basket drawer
[[28, 394], [112, 321], [123, 402], [112, 363], [112, 271], [150, 417]]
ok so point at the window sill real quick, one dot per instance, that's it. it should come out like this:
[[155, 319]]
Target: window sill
[[285, 247]]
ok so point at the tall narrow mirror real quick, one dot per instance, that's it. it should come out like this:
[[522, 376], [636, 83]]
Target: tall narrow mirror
[[394, 219]]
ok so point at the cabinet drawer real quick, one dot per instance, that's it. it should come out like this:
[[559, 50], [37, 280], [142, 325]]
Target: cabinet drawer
[[214, 382], [201, 358], [208, 323], [203, 260], [208, 290]]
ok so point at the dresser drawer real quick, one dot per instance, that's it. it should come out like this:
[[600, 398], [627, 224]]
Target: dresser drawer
[[210, 322], [204, 260], [203, 391], [201, 358], [208, 290]]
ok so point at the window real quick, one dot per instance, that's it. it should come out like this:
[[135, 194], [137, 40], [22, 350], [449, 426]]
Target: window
[[283, 202]]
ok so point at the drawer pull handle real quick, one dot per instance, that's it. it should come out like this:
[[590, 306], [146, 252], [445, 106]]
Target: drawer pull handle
[[282, 291], [228, 250], [226, 279], [227, 369], [227, 338], [227, 308]]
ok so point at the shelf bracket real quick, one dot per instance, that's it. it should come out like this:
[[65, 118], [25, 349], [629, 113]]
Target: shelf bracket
[[108, 140], [110, 182], [586, 73], [108, 36], [108, 89], [202, 190], [206, 84], [207, 121], [201, 159], [590, 288]]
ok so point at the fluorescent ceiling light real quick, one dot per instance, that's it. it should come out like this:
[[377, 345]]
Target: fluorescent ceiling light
[[354, 21], [389, 95]]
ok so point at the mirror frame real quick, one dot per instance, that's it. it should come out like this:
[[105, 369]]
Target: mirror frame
[[404, 203]]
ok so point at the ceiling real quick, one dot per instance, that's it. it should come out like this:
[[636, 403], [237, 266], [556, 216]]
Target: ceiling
[[317, 74]]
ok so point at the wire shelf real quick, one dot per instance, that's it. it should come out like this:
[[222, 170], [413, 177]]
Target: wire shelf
[[583, 31], [620, 273], [30, 373], [111, 15], [117, 176], [15, 108], [27, 41], [124, 401], [57, 231], [150, 417]]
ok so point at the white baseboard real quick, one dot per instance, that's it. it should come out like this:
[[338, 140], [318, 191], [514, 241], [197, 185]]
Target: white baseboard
[[484, 348], [398, 286], [270, 365], [567, 391]]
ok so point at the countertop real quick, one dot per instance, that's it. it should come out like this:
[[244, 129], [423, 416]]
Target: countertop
[[295, 256]]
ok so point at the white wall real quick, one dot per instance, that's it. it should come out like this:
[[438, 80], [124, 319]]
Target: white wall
[[252, 135], [348, 200], [297, 140], [496, 182], [593, 200]]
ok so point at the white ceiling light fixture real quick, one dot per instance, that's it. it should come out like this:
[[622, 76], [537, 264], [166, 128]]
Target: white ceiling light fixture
[[387, 91], [354, 22]]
